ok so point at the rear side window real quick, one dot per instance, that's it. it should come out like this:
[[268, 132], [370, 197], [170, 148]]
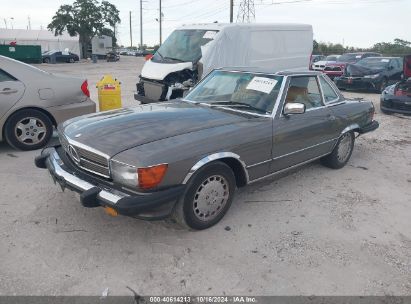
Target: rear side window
[[4, 76], [304, 89], [329, 93]]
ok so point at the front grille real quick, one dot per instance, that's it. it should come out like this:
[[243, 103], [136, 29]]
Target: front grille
[[334, 69], [87, 159]]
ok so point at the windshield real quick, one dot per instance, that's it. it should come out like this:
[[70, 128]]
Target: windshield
[[349, 57], [331, 58], [183, 46], [374, 63], [238, 90]]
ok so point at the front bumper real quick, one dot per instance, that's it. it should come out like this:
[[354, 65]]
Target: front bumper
[[357, 83], [332, 74], [395, 104], [94, 192]]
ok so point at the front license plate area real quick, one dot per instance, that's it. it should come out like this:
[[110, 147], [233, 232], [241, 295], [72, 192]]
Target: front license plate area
[[153, 90]]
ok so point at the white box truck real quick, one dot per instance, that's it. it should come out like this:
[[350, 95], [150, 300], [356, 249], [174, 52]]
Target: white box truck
[[194, 50]]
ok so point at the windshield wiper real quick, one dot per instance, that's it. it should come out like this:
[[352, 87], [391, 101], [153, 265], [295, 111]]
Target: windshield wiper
[[237, 104], [161, 56]]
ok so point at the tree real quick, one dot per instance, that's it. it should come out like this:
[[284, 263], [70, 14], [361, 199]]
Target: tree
[[85, 18]]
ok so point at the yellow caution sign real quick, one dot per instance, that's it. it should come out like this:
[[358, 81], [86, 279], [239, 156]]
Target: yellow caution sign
[[109, 93]]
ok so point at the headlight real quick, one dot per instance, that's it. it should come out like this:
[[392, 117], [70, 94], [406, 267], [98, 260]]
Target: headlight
[[124, 174], [130, 176], [372, 76]]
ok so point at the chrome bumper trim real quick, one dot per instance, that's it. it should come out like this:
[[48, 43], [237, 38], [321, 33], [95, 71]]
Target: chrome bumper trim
[[54, 165]]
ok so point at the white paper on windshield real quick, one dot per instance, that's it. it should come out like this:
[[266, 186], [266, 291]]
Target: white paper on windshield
[[209, 35], [385, 60], [358, 56], [262, 84]]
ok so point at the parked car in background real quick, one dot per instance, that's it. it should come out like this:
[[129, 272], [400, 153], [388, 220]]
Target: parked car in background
[[320, 65], [60, 57], [316, 58], [33, 101], [337, 68], [123, 53], [372, 73], [397, 98], [186, 158], [112, 57], [194, 50]]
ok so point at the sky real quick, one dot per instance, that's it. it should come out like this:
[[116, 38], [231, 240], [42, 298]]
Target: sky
[[359, 23]]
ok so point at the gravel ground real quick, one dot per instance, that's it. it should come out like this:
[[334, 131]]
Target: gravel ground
[[313, 231]]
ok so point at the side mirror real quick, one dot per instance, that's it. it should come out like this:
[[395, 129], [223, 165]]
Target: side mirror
[[390, 67], [294, 108]]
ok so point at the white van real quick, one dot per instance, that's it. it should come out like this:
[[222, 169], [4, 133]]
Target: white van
[[192, 51]]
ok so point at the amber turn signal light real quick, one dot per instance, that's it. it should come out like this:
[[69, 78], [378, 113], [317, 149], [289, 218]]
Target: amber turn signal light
[[111, 211], [151, 176]]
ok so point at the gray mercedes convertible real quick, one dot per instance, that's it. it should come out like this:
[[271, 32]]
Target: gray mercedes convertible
[[184, 159]]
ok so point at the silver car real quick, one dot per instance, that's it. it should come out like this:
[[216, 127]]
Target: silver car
[[33, 101]]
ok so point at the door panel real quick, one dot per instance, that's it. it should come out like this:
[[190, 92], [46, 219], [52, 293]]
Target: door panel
[[10, 93], [301, 137]]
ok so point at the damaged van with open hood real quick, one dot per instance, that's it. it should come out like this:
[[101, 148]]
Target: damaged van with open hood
[[193, 51]]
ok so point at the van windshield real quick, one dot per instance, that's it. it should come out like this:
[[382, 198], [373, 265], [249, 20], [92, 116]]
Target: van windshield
[[183, 46]]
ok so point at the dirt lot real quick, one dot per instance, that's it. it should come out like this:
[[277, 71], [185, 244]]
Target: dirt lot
[[314, 231]]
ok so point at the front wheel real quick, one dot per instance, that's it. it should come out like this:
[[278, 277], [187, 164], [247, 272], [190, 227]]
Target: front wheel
[[208, 197], [342, 152], [28, 130]]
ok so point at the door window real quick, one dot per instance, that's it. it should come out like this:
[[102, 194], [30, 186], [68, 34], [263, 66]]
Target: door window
[[304, 89], [4, 76], [328, 91]]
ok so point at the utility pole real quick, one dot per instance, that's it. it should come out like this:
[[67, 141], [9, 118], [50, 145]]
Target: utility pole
[[5, 22], [29, 27], [131, 33], [141, 24], [160, 22], [231, 10]]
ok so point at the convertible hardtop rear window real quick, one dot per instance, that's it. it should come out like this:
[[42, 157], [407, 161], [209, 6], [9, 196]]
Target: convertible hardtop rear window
[[246, 91]]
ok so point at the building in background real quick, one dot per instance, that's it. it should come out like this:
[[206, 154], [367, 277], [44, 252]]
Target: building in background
[[43, 38]]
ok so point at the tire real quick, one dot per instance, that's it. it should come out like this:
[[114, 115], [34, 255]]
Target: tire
[[71, 60], [214, 178], [36, 125], [341, 154], [46, 60]]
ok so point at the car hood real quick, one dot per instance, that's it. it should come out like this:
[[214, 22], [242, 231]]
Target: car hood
[[112, 132], [323, 62], [359, 70]]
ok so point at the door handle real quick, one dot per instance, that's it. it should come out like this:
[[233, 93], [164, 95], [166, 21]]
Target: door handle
[[8, 91]]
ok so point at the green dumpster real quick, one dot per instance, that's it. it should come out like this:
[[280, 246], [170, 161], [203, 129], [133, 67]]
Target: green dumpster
[[25, 53]]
